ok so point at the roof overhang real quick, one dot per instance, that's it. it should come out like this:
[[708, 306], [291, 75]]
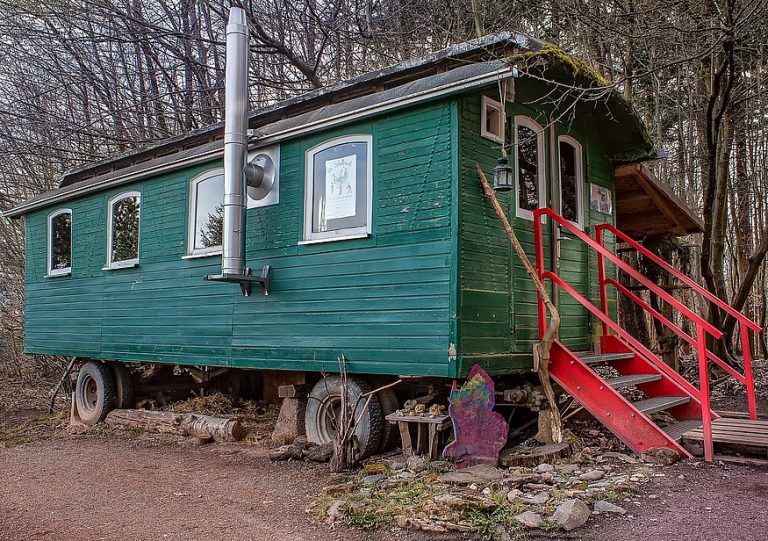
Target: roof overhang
[[646, 207]]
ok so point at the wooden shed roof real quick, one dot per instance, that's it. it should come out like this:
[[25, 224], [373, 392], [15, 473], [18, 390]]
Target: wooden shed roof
[[646, 207]]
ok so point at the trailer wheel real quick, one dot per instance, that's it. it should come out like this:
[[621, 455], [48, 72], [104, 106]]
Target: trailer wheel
[[123, 386], [390, 432], [95, 393], [324, 408]]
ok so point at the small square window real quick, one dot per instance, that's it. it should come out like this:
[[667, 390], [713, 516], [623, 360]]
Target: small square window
[[493, 120], [338, 189]]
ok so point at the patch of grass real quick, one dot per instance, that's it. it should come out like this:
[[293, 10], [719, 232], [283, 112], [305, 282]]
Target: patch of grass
[[369, 519], [37, 428], [487, 524]]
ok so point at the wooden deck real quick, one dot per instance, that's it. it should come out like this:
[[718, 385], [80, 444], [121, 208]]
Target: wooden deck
[[741, 435]]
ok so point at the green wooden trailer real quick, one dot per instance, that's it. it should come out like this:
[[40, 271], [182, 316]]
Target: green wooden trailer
[[378, 241]]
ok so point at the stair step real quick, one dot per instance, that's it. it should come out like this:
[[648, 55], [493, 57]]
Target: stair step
[[660, 403], [676, 430], [606, 357], [632, 379]]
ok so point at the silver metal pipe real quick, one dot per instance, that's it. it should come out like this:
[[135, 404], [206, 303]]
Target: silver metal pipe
[[235, 143]]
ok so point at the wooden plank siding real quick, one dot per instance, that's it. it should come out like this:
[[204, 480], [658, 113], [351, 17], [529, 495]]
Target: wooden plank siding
[[497, 300], [384, 301]]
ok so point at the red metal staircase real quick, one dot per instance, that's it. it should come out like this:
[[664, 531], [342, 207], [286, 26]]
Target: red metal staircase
[[638, 366]]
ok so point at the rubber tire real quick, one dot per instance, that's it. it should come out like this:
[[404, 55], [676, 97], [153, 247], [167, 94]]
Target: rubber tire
[[390, 433], [369, 429], [123, 386], [106, 394]]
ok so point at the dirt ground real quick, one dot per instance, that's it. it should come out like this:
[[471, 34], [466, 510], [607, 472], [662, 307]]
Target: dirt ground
[[108, 485]]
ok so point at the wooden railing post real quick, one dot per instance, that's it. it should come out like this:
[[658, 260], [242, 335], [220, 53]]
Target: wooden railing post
[[539, 241], [748, 377], [706, 415]]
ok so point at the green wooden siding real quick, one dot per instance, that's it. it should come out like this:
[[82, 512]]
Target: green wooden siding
[[498, 306], [383, 302]]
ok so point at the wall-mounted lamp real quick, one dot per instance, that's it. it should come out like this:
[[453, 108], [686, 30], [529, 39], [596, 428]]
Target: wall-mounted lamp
[[503, 175]]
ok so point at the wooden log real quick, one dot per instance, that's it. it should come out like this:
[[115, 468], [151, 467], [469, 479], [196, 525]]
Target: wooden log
[[533, 456], [184, 424]]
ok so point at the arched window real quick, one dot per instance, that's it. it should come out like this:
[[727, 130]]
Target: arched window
[[571, 179], [60, 242], [124, 220], [338, 189], [206, 213], [529, 167]]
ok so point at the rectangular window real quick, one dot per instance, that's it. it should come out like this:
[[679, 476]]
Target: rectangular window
[[529, 166], [124, 219], [571, 183], [493, 120], [206, 213], [338, 189], [60, 243]]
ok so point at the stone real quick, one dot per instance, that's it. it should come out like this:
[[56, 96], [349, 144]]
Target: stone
[[514, 495], [334, 512], [370, 480], [397, 465], [660, 455], [539, 498], [571, 514], [592, 475], [415, 464], [548, 478], [529, 519], [441, 466], [290, 422], [620, 456], [568, 468], [603, 506], [319, 453], [286, 452], [480, 473], [519, 479], [544, 468], [341, 488]]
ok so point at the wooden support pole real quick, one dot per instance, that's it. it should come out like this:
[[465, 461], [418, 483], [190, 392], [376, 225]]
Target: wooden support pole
[[545, 345]]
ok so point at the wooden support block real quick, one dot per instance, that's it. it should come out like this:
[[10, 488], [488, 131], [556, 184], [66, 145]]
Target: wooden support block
[[405, 436], [297, 390], [290, 422], [433, 442]]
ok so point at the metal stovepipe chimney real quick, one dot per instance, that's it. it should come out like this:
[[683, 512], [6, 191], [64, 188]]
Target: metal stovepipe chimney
[[235, 143]]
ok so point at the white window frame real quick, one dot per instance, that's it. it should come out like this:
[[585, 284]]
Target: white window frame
[[492, 104], [522, 120], [112, 265], [311, 237], [191, 227], [579, 178], [51, 271]]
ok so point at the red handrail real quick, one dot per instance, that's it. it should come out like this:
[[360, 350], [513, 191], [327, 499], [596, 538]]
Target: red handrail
[[702, 326], [679, 275], [613, 258], [745, 324]]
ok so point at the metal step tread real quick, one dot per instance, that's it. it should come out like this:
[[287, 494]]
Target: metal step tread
[[676, 430], [660, 403], [606, 357], [632, 379]]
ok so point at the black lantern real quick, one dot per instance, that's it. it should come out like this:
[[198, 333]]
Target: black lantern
[[503, 176]]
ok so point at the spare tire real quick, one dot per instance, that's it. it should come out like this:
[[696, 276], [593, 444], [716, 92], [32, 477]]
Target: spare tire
[[95, 392], [324, 408], [123, 386]]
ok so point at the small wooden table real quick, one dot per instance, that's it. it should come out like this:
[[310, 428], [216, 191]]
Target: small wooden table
[[427, 428]]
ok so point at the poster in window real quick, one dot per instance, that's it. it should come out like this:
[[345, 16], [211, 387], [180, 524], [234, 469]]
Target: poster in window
[[340, 186], [601, 199]]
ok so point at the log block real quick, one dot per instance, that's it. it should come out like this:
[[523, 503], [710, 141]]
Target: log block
[[293, 391], [183, 424]]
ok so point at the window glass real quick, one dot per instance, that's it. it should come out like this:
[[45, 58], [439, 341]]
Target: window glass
[[61, 242], [340, 187], [569, 182], [208, 213], [527, 168], [493, 121], [125, 229]]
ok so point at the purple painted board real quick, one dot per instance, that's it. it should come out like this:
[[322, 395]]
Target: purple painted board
[[480, 433]]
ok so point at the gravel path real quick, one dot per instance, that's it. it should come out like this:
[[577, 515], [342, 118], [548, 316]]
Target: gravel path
[[117, 487]]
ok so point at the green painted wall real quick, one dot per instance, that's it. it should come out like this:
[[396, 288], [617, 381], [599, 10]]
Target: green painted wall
[[497, 300], [435, 288], [384, 302]]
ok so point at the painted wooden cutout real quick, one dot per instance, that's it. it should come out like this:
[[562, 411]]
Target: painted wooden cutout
[[480, 433]]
